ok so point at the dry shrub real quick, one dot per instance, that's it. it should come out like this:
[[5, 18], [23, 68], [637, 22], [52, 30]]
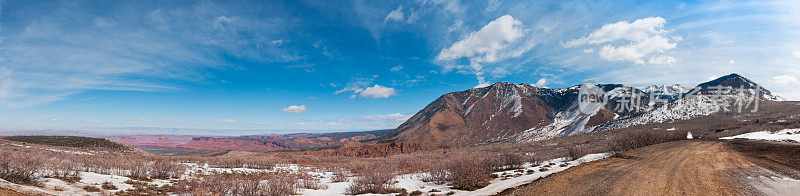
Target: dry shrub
[[65, 170], [91, 189], [575, 152], [239, 184], [241, 162], [166, 170], [108, 186], [339, 176], [307, 181], [372, 178], [512, 161], [635, 139], [470, 172], [19, 167]]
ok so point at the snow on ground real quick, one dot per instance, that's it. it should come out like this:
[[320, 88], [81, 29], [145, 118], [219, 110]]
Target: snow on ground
[[775, 185], [507, 179], [54, 150], [792, 135], [410, 182], [553, 166]]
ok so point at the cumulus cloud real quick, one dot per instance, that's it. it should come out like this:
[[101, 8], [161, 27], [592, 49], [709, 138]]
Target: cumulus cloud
[[295, 109], [540, 83], [494, 42], [632, 42], [377, 92], [360, 87], [395, 15]]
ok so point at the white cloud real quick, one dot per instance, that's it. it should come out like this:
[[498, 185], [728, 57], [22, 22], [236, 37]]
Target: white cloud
[[540, 83], [644, 37], [797, 54], [494, 42], [396, 117], [295, 109], [377, 92], [493, 5], [228, 120], [360, 87], [786, 80], [356, 86], [397, 68], [488, 44], [662, 60], [395, 15], [125, 50]]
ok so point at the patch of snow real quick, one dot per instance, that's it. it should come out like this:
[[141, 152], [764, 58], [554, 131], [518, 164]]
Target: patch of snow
[[498, 185], [774, 185], [689, 135], [567, 122], [54, 150], [681, 109], [783, 135]]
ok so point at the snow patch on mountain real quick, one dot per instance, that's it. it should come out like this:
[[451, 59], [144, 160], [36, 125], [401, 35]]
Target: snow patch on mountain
[[681, 109], [566, 122]]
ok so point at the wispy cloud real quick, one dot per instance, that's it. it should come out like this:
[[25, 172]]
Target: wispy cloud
[[127, 49]]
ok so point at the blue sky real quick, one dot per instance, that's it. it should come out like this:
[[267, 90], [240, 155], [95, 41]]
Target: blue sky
[[289, 66]]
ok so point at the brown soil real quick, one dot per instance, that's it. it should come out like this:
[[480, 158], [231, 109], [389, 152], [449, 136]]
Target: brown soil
[[9, 192], [676, 168]]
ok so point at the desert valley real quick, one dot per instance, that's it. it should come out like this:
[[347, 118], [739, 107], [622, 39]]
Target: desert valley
[[399, 97]]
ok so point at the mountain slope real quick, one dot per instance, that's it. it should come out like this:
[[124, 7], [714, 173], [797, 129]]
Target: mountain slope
[[507, 112]]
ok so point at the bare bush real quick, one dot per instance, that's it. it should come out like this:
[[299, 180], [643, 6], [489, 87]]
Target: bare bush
[[166, 170], [109, 186], [635, 139], [372, 179], [239, 184], [512, 161], [470, 172], [64, 169], [575, 152], [20, 168], [339, 176]]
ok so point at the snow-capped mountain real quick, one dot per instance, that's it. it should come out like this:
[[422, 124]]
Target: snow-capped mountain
[[671, 92], [507, 112]]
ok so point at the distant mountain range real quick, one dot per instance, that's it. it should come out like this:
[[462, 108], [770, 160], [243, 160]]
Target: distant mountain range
[[254, 143], [507, 112]]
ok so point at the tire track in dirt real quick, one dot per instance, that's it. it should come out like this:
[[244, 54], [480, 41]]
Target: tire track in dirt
[[675, 168]]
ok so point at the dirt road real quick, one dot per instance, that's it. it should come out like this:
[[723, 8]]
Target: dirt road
[[676, 168], [9, 192]]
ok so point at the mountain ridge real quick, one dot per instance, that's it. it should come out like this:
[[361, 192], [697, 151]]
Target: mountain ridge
[[508, 112]]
